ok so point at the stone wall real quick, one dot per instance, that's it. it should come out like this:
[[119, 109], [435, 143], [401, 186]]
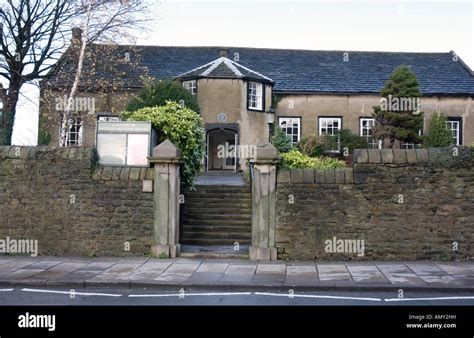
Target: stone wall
[[59, 197], [404, 204]]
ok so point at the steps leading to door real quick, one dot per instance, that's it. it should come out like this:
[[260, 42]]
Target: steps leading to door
[[216, 215]]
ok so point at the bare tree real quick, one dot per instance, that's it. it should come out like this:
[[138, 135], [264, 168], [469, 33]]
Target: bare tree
[[105, 22], [34, 34]]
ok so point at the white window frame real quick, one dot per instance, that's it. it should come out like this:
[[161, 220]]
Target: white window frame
[[73, 121], [407, 145], [191, 85], [456, 131], [370, 122], [255, 96], [323, 124], [292, 121]]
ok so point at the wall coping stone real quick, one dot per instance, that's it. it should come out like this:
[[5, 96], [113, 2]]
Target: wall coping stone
[[33, 152], [283, 176], [411, 156], [340, 175], [361, 156], [111, 173], [374, 156], [430, 156], [296, 175], [422, 155], [330, 176], [308, 175], [386, 155]]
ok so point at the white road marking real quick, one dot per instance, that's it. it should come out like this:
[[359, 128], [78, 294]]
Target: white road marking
[[432, 298], [74, 293], [5, 290], [192, 294], [287, 295]]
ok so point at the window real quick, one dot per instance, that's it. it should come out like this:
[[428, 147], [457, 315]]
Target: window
[[407, 145], [455, 125], [366, 125], [330, 126], [255, 96], [191, 86], [410, 145], [109, 118], [73, 131], [291, 127]]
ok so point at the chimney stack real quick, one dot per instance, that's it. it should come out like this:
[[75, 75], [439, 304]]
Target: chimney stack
[[76, 36], [224, 52]]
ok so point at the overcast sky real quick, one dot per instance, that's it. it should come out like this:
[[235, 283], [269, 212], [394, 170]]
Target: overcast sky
[[411, 26]]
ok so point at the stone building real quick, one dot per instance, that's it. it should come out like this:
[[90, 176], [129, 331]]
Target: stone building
[[244, 92], [2, 96]]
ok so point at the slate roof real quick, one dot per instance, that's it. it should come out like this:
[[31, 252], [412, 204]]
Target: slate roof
[[296, 71], [223, 68]]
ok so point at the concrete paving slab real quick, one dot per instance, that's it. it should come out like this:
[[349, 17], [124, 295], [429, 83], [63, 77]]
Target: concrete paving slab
[[426, 269], [22, 274], [399, 274], [457, 268], [301, 270], [248, 269], [43, 264], [173, 277], [366, 273], [272, 269], [333, 272], [216, 268], [205, 278], [98, 266], [439, 279], [118, 271], [60, 270], [13, 265], [148, 271]]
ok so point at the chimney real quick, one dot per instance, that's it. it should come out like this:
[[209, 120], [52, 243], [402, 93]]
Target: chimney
[[76, 36], [223, 52]]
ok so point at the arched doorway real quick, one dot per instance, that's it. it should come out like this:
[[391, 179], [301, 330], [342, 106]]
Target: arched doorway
[[221, 153]]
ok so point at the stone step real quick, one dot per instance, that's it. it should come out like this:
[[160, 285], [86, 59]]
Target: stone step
[[217, 228], [213, 255], [219, 194], [217, 216], [220, 205], [215, 251], [218, 210], [213, 222], [236, 236], [221, 188], [213, 241], [213, 200]]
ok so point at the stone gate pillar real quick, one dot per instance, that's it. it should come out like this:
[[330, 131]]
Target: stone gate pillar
[[263, 203], [166, 159]]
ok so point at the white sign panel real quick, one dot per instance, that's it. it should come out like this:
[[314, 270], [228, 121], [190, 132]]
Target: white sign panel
[[124, 143], [137, 149], [112, 148]]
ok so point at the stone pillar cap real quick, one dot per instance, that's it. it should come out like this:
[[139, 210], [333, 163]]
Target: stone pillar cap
[[165, 151], [266, 152]]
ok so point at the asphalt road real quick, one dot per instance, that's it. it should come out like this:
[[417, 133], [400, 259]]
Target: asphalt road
[[120, 296]]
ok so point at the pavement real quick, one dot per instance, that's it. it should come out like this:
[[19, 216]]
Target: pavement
[[234, 273]]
